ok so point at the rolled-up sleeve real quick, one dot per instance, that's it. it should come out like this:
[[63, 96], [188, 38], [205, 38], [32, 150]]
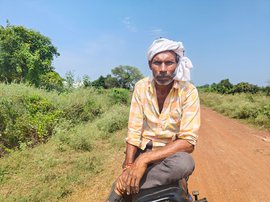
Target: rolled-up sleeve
[[190, 120], [135, 123]]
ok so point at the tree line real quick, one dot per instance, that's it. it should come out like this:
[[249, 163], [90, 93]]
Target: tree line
[[226, 87], [120, 77], [26, 57]]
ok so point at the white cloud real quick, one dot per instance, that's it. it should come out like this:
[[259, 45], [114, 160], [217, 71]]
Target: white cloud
[[158, 32], [129, 25]]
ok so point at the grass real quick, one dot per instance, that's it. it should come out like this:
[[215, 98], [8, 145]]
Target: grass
[[30, 116], [53, 170], [251, 108], [76, 153]]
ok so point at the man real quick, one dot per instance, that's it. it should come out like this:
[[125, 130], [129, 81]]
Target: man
[[163, 123]]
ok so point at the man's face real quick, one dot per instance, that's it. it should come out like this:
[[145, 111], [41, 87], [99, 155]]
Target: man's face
[[163, 66]]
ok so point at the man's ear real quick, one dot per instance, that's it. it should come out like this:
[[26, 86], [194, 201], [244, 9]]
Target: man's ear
[[149, 64]]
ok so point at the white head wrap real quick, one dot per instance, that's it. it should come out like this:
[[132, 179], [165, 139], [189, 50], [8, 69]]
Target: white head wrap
[[160, 45]]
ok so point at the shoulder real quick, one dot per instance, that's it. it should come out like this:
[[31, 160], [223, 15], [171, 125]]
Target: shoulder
[[187, 86], [142, 84]]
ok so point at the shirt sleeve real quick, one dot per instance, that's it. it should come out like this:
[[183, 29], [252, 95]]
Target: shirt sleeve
[[190, 121], [135, 123]]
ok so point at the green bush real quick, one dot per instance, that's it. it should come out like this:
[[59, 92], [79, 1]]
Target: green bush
[[27, 120], [77, 151], [29, 116], [113, 120], [77, 138], [90, 164], [245, 111], [86, 111], [81, 142], [82, 105], [266, 110], [262, 120], [253, 107], [42, 116], [119, 96]]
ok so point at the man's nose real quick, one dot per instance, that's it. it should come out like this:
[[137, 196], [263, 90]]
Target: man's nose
[[163, 67]]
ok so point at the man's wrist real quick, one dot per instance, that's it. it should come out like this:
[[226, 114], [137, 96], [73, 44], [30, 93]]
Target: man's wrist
[[126, 166], [143, 158]]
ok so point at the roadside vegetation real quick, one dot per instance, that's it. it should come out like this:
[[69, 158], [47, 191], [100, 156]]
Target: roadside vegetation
[[51, 144], [55, 133], [30, 116], [242, 101]]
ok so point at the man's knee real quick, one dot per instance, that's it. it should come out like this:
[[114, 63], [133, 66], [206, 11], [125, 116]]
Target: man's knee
[[181, 163]]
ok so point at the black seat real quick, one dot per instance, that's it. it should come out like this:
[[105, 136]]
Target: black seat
[[165, 193]]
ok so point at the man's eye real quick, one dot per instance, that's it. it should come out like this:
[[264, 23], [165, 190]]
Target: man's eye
[[157, 63], [169, 63]]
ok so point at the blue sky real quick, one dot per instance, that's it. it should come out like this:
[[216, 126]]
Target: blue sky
[[224, 39]]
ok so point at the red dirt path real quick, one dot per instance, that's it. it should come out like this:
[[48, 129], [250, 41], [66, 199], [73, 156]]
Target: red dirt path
[[232, 161]]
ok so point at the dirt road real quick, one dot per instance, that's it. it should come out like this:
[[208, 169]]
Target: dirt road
[[232, 161], [232, 164]]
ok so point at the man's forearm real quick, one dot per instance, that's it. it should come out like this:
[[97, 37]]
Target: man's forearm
[[130, 154], [164, 152]]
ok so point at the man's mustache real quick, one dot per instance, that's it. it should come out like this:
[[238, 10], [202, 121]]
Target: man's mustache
[[163, 76]]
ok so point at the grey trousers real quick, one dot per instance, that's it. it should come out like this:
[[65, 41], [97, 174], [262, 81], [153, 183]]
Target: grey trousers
[[172, 169]]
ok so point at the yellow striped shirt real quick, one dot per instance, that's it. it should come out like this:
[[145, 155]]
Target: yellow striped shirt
[[180, 116]]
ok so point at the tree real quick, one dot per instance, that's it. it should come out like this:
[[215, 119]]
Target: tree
[[51, 81], [245, 87], [267, 88], [127, 76], [213, 87], [99, 83], [69, 78], [25, 55], [86, 81], [106, 82], [204, 88], [224, 86], [111, 82]]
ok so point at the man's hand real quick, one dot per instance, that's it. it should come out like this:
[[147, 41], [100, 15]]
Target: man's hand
[[134, 175], [129, 181], [120, 185]]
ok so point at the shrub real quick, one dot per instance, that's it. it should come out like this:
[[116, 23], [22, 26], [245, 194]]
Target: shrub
[[245, 111], [84, 111], [80, 142], [266, 110], [113, 120], [78, 139], [90, 164], [262, 120], [254, 107], [42, 116], [119, 96], [82, 105], [29, 116], [26, 120]]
